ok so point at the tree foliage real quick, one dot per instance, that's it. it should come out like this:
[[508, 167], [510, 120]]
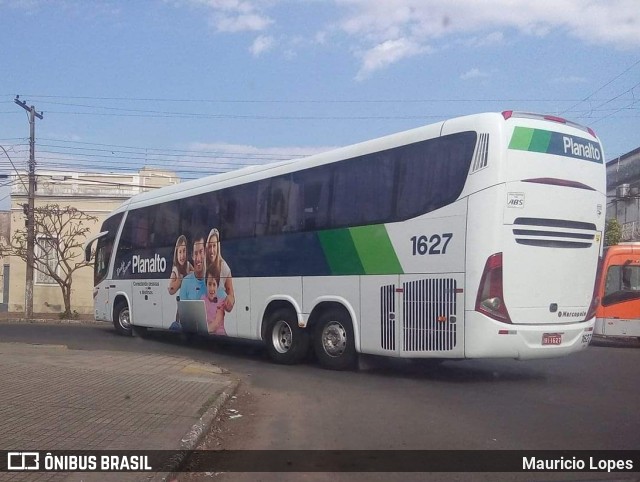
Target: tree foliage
[[60, 232], [612, 232]]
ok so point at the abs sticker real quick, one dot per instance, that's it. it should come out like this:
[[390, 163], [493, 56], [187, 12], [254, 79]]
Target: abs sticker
[[515, 200]]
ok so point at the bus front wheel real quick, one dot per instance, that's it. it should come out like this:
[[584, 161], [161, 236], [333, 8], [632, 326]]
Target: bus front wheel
[[333, 341], [122, 319], [287, 343]]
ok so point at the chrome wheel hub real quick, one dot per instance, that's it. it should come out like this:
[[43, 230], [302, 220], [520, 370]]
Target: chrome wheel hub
[[281, 336], [334, 339]]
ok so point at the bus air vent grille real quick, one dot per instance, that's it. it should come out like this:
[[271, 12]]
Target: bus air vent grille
[[554, 233], [481, 154], [429, 315], [388, 317]]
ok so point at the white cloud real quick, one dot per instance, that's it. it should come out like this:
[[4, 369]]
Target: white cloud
[[387, 53], [474, 74], [372, 24], [384, 32], [241, 22], [493, 38], [262, 44], [233, 16]]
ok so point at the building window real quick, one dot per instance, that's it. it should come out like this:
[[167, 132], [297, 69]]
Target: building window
[[46, 256]]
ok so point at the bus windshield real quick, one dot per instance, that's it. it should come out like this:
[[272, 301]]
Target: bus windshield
[[622, 284]]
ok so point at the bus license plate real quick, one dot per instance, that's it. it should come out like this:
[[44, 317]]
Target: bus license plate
[[551, 338]]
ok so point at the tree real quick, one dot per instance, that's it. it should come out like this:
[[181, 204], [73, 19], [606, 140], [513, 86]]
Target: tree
[[60, 233], [612, 232]]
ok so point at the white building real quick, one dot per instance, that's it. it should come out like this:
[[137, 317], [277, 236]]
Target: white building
[[96, 194]]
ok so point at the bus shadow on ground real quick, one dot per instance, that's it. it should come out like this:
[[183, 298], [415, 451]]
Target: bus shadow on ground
[[447, 371], [615, 342], [451, 371]]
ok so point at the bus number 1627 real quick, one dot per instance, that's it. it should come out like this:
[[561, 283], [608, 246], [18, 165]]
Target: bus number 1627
[[436, 244]]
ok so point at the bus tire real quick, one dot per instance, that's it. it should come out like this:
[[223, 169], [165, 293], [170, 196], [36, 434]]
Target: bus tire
[[334, 341], [122, 319], [287, 343]]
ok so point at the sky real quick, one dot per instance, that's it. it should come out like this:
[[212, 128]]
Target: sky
[[206, 86]]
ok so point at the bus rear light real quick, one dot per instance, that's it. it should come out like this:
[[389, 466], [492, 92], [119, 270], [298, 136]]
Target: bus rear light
[[554, 118], [591, 131], [595, 298], [509, 114], [490, 299]]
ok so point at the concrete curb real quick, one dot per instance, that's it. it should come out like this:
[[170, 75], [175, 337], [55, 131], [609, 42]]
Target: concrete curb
[[192, 439], [52, 321]]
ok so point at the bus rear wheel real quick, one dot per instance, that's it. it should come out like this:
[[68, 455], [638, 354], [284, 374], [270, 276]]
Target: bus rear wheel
[[287, 343], [122, 319], [334, 342]]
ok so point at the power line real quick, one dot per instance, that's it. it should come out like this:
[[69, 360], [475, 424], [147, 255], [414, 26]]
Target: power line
[[602, 87], [287, 101]]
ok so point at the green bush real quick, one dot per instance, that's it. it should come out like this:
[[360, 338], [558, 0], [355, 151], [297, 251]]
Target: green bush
[[612, 232]]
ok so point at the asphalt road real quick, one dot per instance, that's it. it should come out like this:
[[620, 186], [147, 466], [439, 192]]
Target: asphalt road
[[587, 401]]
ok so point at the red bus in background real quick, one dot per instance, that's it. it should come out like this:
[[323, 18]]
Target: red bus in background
[[618, 312]]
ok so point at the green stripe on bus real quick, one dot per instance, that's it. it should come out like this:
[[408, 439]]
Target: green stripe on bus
[[375, 250], [340, 252], [521, 138], [540, 141], [533, 140]]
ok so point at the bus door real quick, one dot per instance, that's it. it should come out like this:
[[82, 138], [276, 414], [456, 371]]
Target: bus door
[[147, 303]]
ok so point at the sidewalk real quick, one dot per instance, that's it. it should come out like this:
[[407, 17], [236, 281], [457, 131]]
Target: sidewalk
[[52, 398]]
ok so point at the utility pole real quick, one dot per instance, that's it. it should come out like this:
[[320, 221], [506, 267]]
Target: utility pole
[[31, 195]]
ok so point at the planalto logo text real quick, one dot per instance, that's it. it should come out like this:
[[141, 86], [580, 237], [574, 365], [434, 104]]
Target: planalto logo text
[[578, 149], [157, 264]]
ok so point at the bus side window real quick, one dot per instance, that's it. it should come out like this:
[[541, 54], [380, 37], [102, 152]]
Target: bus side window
[[282, 211], [631, 278], [262, 207], [433, 173], [136, 230], [363, 190], [277, 209], [165, 225], [313, 192], [612, 283], [238, 211]]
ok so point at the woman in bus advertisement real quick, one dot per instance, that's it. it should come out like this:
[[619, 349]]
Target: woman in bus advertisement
[[181, 266], [214, 258]]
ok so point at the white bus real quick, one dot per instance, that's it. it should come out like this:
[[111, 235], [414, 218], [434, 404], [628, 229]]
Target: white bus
[[473, 237]]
